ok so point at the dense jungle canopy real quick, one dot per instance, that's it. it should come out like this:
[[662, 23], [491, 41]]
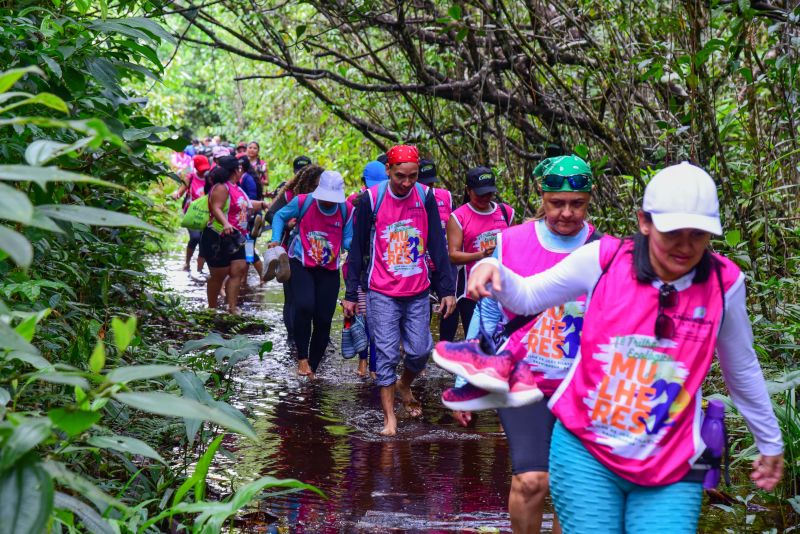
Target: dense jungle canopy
[[94, 96]]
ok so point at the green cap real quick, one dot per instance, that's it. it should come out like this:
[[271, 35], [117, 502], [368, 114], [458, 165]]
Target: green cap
[[575, 174]]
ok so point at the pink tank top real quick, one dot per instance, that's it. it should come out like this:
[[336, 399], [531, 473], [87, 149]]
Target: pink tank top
[[633, 400], [237, 209], [321, 235], [398, 267], [480, 230], [444, 203], [196, 190], [550, 342]]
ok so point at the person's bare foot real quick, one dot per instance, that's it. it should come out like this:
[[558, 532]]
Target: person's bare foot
[[362, 368], [389, 425], [373, 375], [303, 369], [412, 405], [186, 267]]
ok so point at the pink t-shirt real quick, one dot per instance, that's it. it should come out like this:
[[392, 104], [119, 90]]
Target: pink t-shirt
[[398, 267], [321, 235], [632, 399], [479, 229]]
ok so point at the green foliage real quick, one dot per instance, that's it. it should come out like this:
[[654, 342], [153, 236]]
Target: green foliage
[[76, 374]]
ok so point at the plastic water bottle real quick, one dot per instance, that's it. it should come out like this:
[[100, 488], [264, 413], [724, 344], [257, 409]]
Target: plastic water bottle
[[249, 250], [713, 434]]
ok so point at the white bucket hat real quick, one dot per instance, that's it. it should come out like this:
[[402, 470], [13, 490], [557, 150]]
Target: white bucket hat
[[330, 188], [683, 196]]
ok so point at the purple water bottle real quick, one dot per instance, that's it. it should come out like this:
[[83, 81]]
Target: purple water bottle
[[713, 434]]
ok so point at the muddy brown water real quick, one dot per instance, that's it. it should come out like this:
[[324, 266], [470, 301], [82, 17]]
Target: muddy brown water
[[433, 477]]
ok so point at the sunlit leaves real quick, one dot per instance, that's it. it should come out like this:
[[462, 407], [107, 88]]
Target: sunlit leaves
[[123, 332]]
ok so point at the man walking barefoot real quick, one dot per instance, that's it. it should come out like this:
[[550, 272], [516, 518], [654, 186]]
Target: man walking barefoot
[[397, 223]]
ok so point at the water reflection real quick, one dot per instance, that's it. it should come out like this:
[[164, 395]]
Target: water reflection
[[432, 477]]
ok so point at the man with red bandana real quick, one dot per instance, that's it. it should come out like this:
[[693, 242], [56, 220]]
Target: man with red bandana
[[398, 223]]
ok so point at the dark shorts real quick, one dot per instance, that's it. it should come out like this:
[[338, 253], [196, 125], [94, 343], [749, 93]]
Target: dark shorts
[[528, 430], [194, 238], [212, 253]]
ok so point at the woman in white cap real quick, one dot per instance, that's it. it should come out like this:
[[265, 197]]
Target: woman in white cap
[[324, 227], [624, 452]]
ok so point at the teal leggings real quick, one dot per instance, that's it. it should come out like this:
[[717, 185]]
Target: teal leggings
[[590, 499]]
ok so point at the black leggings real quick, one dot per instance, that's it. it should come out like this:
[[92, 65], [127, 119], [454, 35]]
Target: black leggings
[[314, 292], [465, 307]]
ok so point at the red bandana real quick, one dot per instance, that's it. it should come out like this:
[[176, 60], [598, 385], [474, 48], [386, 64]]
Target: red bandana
[[402, 154]]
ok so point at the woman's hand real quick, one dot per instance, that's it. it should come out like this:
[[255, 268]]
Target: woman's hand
[[273, 244], [767, 471], [227, 228], [487, 252], [350, 308], [481, 276]]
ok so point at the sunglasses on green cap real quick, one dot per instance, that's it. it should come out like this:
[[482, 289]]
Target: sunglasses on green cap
[[556, 182]]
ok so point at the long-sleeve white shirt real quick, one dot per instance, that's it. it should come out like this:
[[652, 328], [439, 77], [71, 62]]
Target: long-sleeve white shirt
[[578, 273]]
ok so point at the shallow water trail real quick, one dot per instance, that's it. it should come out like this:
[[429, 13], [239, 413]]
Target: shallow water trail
[[434, 476]]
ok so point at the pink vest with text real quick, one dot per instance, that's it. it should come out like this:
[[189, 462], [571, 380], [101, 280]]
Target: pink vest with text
[[634, 400], [398, 250], [321, 235], [480, 230], [550, 342]]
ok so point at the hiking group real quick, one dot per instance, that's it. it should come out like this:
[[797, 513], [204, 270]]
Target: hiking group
[[593, 349]]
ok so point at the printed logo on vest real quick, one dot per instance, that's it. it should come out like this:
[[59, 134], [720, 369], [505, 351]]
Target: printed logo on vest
[[699, 312], [404, 248], [320, 249], [486, 240], [639, 398], [554, 340]]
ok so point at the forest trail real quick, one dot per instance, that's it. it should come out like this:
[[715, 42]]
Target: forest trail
[[433, 477]]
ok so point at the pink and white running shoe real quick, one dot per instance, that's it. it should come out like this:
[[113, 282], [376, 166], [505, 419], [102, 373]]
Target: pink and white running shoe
[[523, 388], [466, 359], [469, 398]]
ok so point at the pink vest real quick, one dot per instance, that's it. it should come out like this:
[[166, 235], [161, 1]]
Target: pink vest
[[550, 342], [196, 189], [398, 249], [444, 203], [633, 400], [237, 212], [480, 230], [321, 235]]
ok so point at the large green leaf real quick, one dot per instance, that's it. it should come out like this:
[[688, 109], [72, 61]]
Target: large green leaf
[[126, 444], [14, 205], [24, 437], [41, 151], [10, 77], [199, 475], [88, 516], [11, 340], [16, 246], [44, 175], [26, 498], [140, 372], [93, 216], [57, 377], [81, 485], [73, 421], [172, 406], [123, 332]]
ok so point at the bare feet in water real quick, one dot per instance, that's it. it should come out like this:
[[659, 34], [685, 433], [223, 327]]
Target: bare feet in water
[[412, 405], [362, 368], [303, 369], [389, 425]]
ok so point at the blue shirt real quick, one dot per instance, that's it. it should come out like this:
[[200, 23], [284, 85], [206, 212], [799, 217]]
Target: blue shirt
[[249, 186], [292, 211]]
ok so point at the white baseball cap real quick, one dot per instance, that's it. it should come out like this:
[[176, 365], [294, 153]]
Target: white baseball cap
[[330, 188], [683, 196]]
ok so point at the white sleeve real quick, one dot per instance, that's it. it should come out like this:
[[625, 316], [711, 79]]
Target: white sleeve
[[570, 278], [742, 372]]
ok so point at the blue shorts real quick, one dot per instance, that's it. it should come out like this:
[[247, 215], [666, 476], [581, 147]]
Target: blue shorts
[[394, 320], [590, 499]]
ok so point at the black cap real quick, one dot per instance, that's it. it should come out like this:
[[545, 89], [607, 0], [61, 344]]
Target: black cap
[[229, 163], [383, 158], [300, 162], [481, 180], [244, 161], [427, 172]]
